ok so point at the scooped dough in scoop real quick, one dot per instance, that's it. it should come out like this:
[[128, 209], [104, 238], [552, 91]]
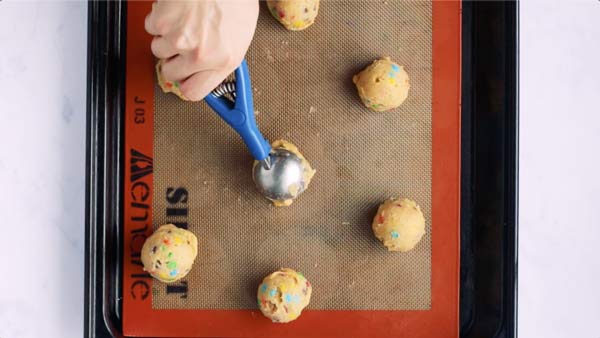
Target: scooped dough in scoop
[[294, 189]]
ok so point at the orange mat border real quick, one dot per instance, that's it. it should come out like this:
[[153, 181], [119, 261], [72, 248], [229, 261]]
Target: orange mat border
[[139, 319]]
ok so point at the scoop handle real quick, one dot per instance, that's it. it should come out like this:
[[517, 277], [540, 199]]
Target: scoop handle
[[240, 114]]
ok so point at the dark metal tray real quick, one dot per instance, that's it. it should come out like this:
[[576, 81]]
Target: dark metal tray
[[488, 300]]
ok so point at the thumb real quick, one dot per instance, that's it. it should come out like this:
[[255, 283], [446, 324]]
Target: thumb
[[197, 86]]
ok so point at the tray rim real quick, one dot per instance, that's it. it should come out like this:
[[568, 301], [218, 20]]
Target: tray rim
[[104, 167], [496, 62]]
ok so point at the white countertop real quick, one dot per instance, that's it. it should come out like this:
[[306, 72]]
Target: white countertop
[[559, 265], [42, 161]]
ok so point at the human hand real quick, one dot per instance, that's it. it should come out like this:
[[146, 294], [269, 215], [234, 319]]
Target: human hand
[[202, 41]]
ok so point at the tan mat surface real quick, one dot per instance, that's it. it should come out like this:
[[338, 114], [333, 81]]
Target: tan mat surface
[[303, 93]]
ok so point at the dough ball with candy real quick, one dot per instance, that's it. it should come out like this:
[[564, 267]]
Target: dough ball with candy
[[399, 224], [168, 255], [294, 15], [383, 85], [168, 86], [283, 295]]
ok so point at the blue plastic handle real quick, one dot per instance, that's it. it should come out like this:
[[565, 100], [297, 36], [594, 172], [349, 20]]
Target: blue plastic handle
[[240, 114]]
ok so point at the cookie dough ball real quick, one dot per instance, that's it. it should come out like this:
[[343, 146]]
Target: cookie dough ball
[[168, 86], [169, 253], [283, 295], [295, 15], [399, 224], [307, 173], [383, 85]]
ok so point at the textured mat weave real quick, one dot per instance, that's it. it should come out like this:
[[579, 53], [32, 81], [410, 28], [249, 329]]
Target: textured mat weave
[[303, 92]]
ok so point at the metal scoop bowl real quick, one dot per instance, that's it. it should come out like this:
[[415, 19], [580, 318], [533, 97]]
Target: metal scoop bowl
[[281, 177]]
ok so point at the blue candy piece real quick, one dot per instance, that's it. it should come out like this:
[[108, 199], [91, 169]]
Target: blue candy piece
[[273, 293]]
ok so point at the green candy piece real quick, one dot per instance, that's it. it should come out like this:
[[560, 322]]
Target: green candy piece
[[171, 265]]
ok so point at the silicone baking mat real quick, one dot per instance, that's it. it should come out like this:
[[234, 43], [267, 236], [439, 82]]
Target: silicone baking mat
[[195, 172], [361, 159]]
